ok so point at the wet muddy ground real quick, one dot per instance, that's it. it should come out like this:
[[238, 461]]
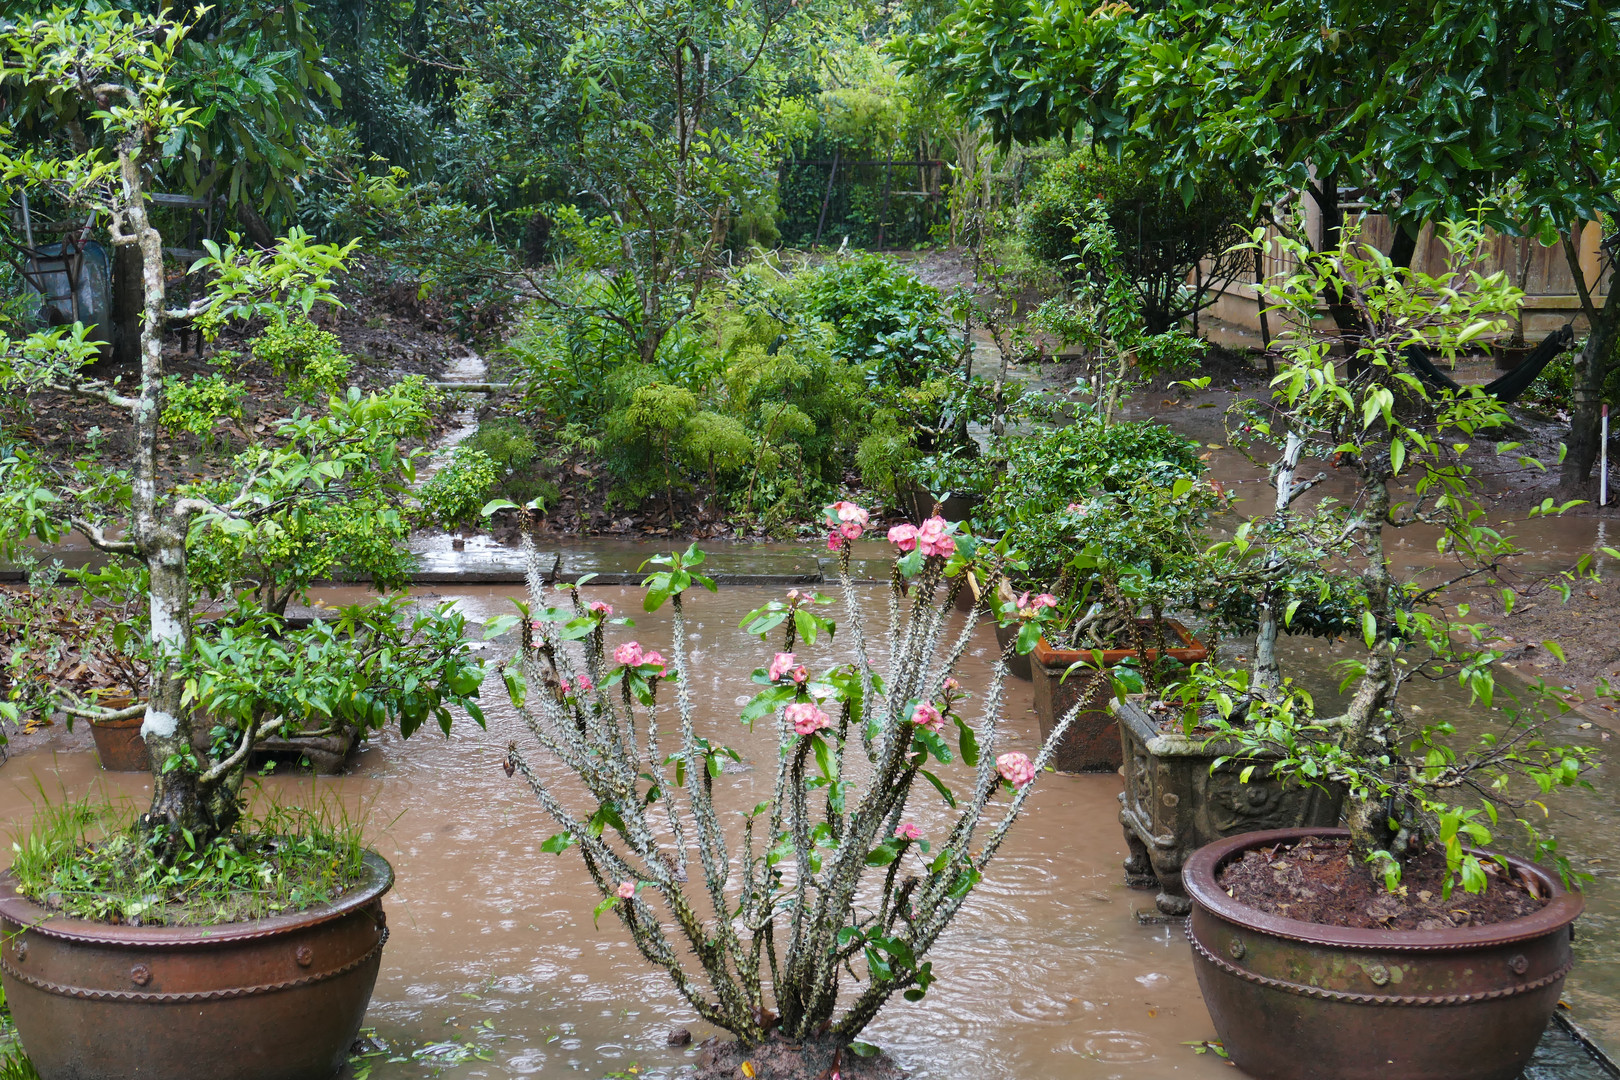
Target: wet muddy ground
[[495, 969]]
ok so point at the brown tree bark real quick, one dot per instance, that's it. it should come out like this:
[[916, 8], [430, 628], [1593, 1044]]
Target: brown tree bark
[[1592, 369]]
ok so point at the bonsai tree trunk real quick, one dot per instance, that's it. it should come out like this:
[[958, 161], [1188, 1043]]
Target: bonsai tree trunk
[[1363, 723], [1265, 675], [184, 795]]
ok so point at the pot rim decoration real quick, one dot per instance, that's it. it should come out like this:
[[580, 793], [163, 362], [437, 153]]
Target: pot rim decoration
[[1199, 876]]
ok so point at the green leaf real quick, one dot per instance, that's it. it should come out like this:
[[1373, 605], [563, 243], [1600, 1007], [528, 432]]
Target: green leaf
[[596, 913], [558, 844], [1369, 628], [939, 786], [968, 742]]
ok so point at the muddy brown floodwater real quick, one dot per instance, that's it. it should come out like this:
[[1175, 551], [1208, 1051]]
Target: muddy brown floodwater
[[495, 969]]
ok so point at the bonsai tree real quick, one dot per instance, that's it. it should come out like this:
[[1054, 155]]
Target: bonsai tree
[[1108, 521], [113, 67], [1412, 785], [831, 897]]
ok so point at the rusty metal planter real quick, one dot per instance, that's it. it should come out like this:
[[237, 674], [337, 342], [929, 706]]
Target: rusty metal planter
[[1092, 742], [271, 999], [1173, 804], [1296, 1000]]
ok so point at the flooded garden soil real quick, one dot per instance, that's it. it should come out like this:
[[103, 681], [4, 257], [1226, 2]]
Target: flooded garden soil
[[1321, 882]]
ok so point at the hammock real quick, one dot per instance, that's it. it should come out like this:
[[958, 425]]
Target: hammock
[[1507, 388]]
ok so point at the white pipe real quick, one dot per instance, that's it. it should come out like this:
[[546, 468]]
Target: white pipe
[[1603, 476]]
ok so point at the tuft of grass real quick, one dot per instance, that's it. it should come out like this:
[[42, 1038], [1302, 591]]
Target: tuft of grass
[[86, 859]]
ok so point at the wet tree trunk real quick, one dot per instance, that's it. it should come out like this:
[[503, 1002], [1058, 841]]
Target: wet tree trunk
[[180, 796], [1365, 720], [1591, 372]]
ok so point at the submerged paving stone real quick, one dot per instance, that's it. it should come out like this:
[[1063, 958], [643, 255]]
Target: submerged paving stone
[[1566, 1054]]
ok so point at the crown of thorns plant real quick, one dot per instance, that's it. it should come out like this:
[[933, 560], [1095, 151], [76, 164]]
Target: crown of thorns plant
[[828, 886]]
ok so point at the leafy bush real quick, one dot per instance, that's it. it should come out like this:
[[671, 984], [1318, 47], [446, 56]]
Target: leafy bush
[[195, 405], [883, 316], [311, 358], [1161, 236], [1094, 502], [456, 494], [508, 444]]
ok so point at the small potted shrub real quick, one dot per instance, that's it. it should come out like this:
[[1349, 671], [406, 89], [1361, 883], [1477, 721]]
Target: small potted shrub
[[831, 894], [110, 965], [1107, 522], [1336, 952]]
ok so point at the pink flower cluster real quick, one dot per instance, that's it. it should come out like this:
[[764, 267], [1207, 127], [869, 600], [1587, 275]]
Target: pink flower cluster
[[627, 889], [931, 537], [786, 664], [630, 655], [806, 718], [1016, 768], [583, 685], [908, 831], [926, 716], [1030, 606], [848, 522], [602, 608]]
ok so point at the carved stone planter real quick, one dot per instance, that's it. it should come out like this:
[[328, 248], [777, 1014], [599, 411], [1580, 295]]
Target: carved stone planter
[[1173, 805], [1092, 743]]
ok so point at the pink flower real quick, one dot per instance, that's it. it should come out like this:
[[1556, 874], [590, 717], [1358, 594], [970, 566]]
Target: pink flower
[[794, 596], [926, 716], [835, 540], [851, 529], [655, 661], [599, 607], [848, 512], [903, 537], [628, 654], [1015, 768], [908, 831], [1045, 599], [1076, 508], [585, 684], [952, 684], [566, 689], [806, 718], [933, 540], [800, 674], [781, 665], [627, 889]]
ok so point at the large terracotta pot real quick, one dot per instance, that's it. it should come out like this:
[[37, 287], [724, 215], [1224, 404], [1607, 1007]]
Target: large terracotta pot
[[119, 745], [271, 999], [1293, 1000], [1174, 802], [1092, 742]]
